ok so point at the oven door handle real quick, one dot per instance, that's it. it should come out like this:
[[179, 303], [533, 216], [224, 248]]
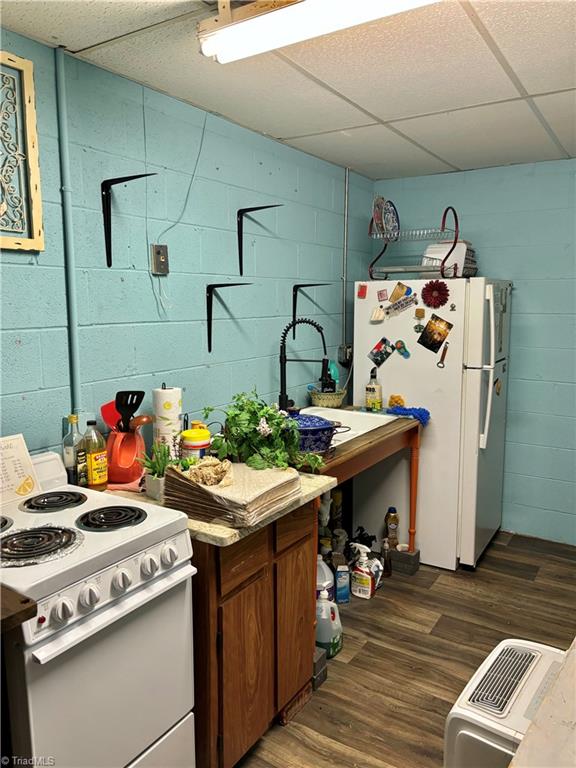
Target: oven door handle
[[77, 634]]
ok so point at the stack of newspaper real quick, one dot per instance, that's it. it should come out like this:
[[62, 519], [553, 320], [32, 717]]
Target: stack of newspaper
[[463, 256], [252, 495]]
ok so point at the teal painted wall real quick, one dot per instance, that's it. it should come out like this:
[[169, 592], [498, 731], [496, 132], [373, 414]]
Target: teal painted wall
[[522, 221], [138, 331]]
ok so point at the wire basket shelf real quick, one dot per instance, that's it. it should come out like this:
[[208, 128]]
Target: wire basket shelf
[[406, 235]]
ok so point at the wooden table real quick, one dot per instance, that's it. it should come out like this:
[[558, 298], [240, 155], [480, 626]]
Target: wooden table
[[363, 452], [15, 608]]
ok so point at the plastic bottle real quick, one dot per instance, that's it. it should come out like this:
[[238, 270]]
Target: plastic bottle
[[373, 392], [392, 527], [361, 580], [70, 446], [96, 458], [328, 625], [334, 372], [195, 441], [324, 578], [387, 560]]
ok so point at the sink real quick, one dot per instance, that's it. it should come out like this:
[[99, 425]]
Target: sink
[[359, 422]]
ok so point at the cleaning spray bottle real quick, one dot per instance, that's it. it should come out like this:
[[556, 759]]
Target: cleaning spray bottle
[[328, 625], [362, 579]]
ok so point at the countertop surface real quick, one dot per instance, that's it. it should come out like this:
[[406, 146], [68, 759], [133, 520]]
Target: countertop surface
[[551, 737], [223, 535], [15, 608]]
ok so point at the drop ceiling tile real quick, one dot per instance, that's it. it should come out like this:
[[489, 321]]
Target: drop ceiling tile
[[262, 92], [559, 109], [411, 64], [497, 134], [538, 40], [83, 23], [373, 151]]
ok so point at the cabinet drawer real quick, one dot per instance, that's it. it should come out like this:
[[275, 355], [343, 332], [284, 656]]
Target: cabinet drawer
[[240, 561], [295, 526]]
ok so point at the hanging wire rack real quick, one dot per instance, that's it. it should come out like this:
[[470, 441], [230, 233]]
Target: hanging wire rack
[[412, 235]]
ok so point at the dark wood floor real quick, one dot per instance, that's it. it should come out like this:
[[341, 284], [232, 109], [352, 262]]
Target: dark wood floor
[[410, 650]]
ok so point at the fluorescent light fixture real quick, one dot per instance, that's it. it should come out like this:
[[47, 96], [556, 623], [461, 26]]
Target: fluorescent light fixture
[[295, 23]]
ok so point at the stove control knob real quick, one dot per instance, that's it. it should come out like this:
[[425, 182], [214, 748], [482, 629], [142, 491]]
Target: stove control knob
[[121, 580], [169, 555], [149, 566], [63, 610], [89, 596]]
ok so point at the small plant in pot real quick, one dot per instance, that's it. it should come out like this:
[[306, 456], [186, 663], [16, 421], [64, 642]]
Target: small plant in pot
[[156, 465]]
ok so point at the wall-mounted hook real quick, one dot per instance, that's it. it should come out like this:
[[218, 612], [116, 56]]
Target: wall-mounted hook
[[106, 193], [295, 288], [241, 212], [210, 288]]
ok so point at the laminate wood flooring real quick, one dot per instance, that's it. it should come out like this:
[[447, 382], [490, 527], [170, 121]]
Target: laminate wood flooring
[[410, 650]]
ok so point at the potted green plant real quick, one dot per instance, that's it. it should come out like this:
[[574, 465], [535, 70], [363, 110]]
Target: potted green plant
[[261, 435], [156, 465]]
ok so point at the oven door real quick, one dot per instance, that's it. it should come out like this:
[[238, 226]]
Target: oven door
[[103, 692]]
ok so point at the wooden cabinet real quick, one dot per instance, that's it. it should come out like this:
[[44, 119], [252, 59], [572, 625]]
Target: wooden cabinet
[[254, 613]]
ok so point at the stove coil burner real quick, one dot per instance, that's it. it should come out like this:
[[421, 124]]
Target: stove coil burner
[[54, 501], [110, 518], [37, 545], [5, 523]]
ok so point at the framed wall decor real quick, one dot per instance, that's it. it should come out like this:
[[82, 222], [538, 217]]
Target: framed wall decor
[[21, 226]]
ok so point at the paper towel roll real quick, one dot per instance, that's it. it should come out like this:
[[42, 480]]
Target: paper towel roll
[[167, 406]]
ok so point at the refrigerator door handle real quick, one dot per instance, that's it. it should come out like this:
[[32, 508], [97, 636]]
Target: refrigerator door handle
[[492, 320], [488, 415]]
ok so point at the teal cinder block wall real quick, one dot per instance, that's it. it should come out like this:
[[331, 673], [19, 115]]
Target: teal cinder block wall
[[522, 222], [138, 331]]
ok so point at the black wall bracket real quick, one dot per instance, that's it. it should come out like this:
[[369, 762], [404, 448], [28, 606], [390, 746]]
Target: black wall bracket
[[106, 192], [241, 212], [295, 288], [210, 289]]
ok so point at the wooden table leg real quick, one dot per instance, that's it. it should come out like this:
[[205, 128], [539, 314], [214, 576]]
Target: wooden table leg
[[414, 458]]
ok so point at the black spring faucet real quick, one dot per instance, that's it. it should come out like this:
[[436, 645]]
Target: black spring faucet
[[283, 401]]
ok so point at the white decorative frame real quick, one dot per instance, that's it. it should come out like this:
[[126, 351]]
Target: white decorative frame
[[21, 226]]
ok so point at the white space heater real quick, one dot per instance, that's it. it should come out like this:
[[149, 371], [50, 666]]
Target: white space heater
[[490, 717]]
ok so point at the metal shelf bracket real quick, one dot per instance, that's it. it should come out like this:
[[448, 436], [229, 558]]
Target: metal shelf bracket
[[241, 212], [210, 289], [106, 193], [295, 289]]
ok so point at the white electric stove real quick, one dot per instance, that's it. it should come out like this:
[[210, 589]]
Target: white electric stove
[[102, 676]]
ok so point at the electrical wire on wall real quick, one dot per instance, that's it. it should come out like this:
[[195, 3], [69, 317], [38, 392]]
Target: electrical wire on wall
[[162, 299]]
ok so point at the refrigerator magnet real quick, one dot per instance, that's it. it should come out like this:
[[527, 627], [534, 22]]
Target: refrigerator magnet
[[382, 294], [435, 294], [440, 363], [401, 349], [381, 351], [452, 307], [362, 291], [435, 333], [419, 315], [377, 315], [399, 291], [399, 306]]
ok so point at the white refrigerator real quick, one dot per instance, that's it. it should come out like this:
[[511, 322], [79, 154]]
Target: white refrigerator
[[441, 345]]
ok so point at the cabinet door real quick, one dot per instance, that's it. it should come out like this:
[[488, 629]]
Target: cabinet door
[[247, 665], [295, 616]]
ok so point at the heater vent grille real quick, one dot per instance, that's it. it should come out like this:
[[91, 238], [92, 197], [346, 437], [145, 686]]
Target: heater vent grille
[[498, 685]]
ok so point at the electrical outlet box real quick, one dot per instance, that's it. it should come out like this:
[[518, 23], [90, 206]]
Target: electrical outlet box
[[159, 259], [345, 355]]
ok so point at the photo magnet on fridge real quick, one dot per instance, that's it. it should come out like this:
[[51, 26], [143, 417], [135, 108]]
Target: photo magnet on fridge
[[381, 351], [435, 333], [399, 291]]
